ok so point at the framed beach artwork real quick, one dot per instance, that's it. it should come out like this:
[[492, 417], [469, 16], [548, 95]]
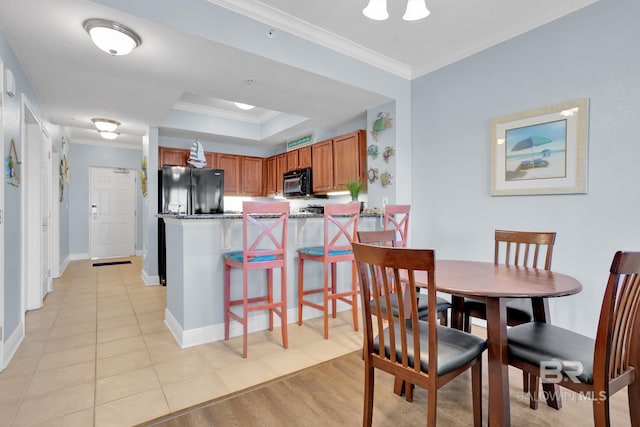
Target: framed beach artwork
[[542, 151]]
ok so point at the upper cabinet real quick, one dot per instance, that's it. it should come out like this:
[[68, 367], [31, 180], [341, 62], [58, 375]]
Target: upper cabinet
[[349, 154], [292, 160], [231, 164], [338, 160], [322, 166], [304, 157], [252, 176], [172, 156]]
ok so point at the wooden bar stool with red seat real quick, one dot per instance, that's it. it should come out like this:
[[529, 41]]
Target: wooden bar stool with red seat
[[268, 222], [340, 226]]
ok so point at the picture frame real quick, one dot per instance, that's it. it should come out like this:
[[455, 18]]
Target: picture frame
[[542, 151]]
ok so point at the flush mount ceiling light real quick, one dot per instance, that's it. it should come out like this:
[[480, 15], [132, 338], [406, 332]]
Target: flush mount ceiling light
[[242, 106], [377, 10], [105, 125], [108, 135], [111, 37]]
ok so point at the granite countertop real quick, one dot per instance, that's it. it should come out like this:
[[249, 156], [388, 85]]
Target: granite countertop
[[238, 215]]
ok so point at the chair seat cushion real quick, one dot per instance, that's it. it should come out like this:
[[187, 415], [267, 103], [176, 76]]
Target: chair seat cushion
[[238, 256], [423, 305], [518, 310], [319, 251], [455, 348], [536, 342]]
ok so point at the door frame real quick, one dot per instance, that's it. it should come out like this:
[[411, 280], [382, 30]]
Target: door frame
[[30, 189], [2, 216]]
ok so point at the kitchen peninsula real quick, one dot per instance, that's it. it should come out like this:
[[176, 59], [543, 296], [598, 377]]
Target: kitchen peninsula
[[195, 269]]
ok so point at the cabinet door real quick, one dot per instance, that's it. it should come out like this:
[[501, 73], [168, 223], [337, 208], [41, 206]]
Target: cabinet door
[[172, 156], [350, 157], [281, 164], [210, 157], [322, 164], [230, 163], [304, 157], [252, 176], [272, 186], [292, 160]]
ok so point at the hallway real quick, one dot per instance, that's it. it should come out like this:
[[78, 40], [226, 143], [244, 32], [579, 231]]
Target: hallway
[[98, 353]]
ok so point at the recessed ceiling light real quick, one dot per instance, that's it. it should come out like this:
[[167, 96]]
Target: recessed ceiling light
[[106, 125], [108, 135], [242, 106], [111, 37]]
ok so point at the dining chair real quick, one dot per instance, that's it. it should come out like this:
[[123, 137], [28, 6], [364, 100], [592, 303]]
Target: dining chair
[[264, 247], [418, 352], [387, 238], [595, 368], [396, 217], [519, 248], [340, 225]]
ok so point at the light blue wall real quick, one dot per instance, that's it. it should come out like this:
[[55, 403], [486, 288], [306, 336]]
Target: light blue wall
[[590, 53], [81, 158], [12, 194]]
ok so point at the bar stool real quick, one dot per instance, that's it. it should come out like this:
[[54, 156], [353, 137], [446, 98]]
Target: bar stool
[[340, 226], [267, 225], [396, 217]]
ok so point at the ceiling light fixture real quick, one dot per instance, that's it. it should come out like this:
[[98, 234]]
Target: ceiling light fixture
[[377, 10], [105, 125], [111, 37], [242, 106], [108, 135]]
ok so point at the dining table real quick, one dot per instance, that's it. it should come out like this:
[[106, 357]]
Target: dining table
[[497, 284]]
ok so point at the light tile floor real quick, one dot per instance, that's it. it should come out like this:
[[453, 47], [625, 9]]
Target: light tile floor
[[98, 353]]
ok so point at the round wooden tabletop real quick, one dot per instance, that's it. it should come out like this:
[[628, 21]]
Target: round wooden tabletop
[[485, 279]]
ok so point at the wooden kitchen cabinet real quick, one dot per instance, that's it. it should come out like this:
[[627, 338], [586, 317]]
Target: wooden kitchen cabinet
[[350, 161], [339, 160], [270, 172], [172, 156], [322, 166], [231, 164], [292, 160], [281, 164], [252, 173], [304, 157]]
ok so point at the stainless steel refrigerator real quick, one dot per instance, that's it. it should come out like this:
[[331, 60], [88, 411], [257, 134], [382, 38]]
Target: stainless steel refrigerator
[[191, 191], [187, 191]]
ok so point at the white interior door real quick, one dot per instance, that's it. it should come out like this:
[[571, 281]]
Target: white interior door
[[35, 193], [112, 212]]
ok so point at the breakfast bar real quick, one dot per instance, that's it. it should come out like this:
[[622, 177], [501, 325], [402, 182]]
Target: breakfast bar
[[194, 272]]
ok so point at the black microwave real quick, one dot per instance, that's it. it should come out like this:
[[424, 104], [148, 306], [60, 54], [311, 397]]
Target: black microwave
[[297, 183]]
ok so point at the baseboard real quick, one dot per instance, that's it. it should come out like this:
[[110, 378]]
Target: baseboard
[[63, 266], [206, 334], [12, 344], [150, 280], [77, 257]]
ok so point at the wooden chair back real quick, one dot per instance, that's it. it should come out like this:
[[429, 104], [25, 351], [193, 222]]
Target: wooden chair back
[[524, 248], [264, 232], [396, 217], [379, 268], [618, 316], [378, 237]]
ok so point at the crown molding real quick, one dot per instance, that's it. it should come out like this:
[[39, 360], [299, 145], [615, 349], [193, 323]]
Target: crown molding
[[271, 16]]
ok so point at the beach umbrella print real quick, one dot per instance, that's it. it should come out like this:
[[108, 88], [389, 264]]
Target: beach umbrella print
[[530, 143]]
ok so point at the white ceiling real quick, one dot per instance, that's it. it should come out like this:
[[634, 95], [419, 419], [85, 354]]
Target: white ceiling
[[173, 72]]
